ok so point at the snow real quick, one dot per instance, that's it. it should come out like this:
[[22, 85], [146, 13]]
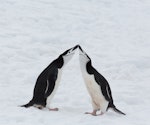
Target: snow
[[115, 34]]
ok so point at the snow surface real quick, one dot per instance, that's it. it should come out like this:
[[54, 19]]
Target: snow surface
[[115, 34]]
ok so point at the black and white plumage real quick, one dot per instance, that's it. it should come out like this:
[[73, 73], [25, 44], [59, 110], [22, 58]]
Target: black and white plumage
[[97, 86], [47, 82]]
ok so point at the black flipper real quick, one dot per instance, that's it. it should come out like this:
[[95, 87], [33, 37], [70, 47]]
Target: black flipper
[[51, 82]]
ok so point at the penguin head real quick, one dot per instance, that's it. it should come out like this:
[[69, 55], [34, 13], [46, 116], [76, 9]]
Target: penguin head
[[68, 54], [84, 58]]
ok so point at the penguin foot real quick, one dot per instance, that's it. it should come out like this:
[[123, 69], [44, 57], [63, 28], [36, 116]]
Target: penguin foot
[[53, 109], [92, 113], [100, 113]]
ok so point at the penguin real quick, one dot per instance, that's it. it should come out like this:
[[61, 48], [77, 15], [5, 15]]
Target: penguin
[[97, 86], [48, 81]]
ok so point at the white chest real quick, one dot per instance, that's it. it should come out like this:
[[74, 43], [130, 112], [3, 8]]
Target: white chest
[[58, 77], [92, 87]]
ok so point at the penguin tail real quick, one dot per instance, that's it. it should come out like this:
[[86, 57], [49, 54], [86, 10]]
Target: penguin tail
[[27, 105], [116, 110]]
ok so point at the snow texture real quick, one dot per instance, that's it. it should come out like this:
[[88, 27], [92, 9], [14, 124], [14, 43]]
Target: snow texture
[[115, 34]]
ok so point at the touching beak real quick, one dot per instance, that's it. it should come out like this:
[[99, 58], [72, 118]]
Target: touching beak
[[81, 52], [75, 47]]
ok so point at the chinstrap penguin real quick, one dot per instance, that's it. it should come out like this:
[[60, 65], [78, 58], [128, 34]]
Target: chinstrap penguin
[[47, 82], [97, 86]]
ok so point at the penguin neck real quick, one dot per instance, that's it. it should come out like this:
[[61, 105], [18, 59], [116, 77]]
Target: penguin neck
[[84, 66]]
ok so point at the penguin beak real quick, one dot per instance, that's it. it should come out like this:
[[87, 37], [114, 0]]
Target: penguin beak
[[80, 48], [72, 50], [83, 53], [68, 54], [75, 47]]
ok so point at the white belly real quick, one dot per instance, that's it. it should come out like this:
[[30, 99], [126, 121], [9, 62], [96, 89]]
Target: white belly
[[98, 100], [93, 88], [55, 88], [95, 92]]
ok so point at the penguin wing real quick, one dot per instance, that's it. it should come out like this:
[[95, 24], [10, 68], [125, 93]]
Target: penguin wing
[[51, 79], [106, 92], [101, 81], [104, 86]]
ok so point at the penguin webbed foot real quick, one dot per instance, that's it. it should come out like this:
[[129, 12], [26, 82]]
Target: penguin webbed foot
[[91, 113], [94, 113], [53, 109]]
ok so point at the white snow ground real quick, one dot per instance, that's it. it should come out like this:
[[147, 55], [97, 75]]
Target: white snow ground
[[115, 34]]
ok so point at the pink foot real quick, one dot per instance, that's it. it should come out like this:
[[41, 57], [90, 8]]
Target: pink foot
[[53, 109], [92, 113], [101, 113]]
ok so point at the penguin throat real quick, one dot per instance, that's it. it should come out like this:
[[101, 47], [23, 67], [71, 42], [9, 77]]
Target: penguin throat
[[83, 66]]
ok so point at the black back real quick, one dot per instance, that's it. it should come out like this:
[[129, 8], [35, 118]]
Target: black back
[[45, 83], [102, 82], [50, 73]]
